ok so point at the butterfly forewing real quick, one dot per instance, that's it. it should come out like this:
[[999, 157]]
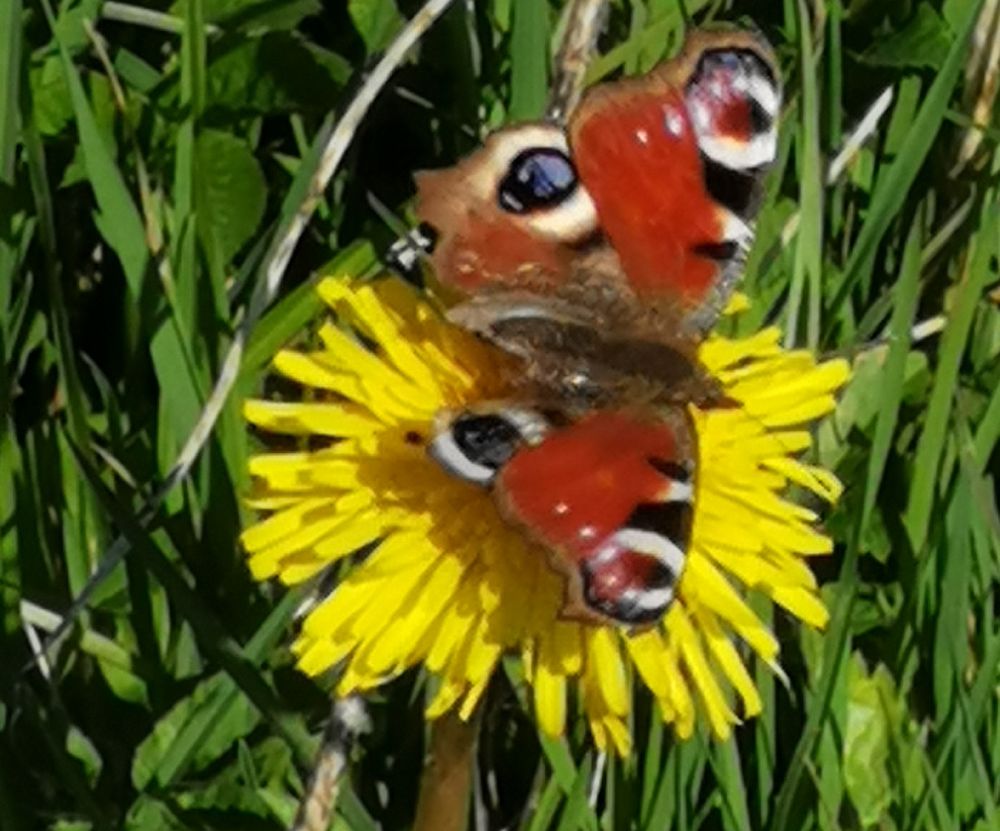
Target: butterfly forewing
[[673, 163], [646, 201]]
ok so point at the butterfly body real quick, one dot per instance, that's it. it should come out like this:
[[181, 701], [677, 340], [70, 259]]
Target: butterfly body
[[600, 254]]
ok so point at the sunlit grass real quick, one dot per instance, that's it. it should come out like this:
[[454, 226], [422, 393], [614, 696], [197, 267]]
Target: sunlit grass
[[130, 242]]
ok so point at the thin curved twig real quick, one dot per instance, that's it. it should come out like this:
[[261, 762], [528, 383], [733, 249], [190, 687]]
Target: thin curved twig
[[269, 277]]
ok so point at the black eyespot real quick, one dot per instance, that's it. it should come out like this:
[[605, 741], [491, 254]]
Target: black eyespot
[[737, 190], [538, 178], [671, 469], [718, 252], [624, 589], [736, 60], [487, 440], [671, 520]]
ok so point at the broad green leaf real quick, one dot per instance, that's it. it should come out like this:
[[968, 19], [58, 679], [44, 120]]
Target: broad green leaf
[[232, 188], [872, 710], [53, 109], [278, 72], [376, 21], [924, 41], [223, 728], [69, 26]]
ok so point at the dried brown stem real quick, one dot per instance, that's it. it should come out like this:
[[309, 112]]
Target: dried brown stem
[[347, 720], [444, 788], [583, 25]]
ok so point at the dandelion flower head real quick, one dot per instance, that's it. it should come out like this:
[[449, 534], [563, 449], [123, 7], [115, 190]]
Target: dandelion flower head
[[450, 586]]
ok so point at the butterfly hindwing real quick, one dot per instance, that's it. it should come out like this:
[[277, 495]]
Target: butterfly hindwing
[[609, 496]]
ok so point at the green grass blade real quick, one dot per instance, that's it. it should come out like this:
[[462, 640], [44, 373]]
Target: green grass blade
[[10, 84], [293, 313], [725, 760], [835, 649], [956, 334], [59, 314], [10, 87], [807, 273], [577, 813], [890, 393], [893, 187], [988, 432], [546, 806], [529, 55], [119, 218], [652, 763], [211, 634]]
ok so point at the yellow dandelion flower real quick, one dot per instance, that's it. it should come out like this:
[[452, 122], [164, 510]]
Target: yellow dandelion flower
[[450, 586]]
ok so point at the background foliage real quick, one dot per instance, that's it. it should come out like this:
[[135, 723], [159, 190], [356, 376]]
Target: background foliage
[[147, 155]]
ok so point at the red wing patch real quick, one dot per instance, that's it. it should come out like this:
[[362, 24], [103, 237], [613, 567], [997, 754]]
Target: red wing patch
[[673, 162], [610, 497], [648, 195], [638, 155]]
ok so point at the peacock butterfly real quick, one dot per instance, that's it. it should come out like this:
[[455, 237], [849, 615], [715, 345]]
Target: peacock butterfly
[[600, 252]]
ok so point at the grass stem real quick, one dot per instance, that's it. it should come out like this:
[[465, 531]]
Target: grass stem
[[443, 804]]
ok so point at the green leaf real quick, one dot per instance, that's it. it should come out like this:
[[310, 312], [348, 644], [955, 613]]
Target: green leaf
[[53, 109], [924, 41], [218, 731], [80, 747], [69, 26], [286, 73], [232, 188], [253, 15], [872, 707], [376, 21], [281, 805], [147, 812], [529, 55]]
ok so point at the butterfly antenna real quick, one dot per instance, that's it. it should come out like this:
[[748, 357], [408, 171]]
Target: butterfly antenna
[[410, 247]]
